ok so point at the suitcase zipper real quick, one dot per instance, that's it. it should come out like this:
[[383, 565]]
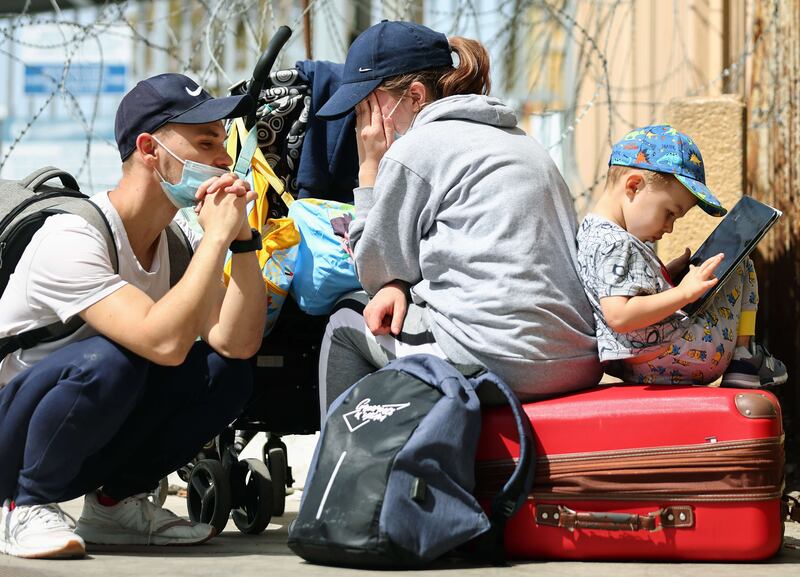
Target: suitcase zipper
[[655, 451], [658, 497], [748, 470]]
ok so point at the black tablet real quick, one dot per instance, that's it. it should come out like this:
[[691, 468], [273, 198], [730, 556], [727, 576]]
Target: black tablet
[[738, 233]]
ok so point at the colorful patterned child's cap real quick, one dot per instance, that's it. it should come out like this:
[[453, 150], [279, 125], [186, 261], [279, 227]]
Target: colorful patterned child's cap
[[661, 148]]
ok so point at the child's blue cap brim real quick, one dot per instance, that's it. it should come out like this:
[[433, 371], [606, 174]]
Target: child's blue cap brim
[[705, 200]]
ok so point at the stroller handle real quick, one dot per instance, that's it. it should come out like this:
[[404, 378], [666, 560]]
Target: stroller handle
[[264, 65]]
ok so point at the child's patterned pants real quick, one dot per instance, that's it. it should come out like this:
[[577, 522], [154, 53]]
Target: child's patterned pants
[[701, 350]]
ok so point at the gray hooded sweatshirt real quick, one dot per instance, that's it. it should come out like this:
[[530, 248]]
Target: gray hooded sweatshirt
[[474, 215]]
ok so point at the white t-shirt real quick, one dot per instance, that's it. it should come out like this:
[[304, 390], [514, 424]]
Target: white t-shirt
[[65, 269]]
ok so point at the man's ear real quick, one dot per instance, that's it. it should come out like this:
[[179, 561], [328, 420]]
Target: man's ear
[[146, 147], [634, 183], [418, 94]]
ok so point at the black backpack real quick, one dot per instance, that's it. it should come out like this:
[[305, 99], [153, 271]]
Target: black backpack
[[391, 481], [25, 205]]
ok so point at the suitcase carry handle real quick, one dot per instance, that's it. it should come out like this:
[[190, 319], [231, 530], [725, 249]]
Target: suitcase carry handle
[[679, 517]]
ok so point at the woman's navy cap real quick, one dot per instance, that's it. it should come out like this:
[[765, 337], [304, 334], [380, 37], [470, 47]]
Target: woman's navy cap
[[382, 51], [170, 98]]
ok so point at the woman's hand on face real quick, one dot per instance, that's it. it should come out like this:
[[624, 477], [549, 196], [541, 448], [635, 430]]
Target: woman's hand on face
[[386, 311], [373, 137]]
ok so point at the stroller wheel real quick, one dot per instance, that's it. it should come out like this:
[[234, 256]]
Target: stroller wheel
[[208, 495], [276, 461], [253, 487]]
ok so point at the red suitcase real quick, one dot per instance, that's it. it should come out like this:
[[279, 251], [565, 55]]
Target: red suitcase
[[641, 472]]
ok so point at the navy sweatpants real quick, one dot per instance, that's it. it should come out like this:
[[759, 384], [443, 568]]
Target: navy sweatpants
[[95, 414]]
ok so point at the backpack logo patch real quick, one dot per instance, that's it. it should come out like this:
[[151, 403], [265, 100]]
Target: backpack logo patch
[[365, 413]]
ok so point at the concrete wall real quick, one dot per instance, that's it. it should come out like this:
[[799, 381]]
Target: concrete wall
[[717, 125], [652, 52]]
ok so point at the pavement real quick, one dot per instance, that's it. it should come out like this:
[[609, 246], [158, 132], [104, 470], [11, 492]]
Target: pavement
[[233, 554]]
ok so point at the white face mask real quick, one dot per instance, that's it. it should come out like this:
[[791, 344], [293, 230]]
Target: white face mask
[[399, 100], [388, 116]]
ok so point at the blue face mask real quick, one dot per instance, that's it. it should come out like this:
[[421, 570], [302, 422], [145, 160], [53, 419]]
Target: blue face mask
[[182, 194]]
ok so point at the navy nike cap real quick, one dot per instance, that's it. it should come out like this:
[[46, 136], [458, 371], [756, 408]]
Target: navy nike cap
[[170, 98], [384, 50]]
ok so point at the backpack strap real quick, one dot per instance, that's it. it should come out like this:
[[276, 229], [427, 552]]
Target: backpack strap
[[92, 213], [178, 245], [516, 490], [180, 252], [31, 338]]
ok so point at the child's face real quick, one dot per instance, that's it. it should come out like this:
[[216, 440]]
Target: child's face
[[652, 210]]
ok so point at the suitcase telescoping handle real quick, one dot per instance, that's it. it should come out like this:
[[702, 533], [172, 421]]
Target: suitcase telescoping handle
[[678, 517]]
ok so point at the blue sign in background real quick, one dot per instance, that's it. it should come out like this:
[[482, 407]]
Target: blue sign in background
[[81, 78]]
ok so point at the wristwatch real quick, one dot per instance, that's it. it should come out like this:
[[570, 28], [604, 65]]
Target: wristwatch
[[253, 243]]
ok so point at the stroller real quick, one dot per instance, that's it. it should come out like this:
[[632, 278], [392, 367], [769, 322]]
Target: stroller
[[285, 397]]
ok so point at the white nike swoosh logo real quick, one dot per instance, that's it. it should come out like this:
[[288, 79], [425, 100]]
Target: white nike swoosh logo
[[364, 69], [195, 92]]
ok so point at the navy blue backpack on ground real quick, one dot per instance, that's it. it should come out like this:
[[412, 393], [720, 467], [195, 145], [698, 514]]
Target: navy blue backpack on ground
[[390, 484]]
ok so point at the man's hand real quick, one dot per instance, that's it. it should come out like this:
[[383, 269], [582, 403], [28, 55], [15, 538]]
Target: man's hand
[[223, 215], [700, 278], [386, 311], [228, 183], [678, 267]]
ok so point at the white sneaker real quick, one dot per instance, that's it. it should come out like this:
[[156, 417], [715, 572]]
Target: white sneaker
[[38, 532], [137, 521]]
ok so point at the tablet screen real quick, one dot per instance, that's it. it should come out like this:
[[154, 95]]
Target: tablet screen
[[735, 236]]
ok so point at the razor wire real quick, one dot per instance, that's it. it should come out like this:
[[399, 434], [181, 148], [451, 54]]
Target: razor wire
[[523, 37]]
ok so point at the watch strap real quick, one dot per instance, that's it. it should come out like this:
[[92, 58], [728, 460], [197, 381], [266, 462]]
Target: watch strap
[[253, 243]]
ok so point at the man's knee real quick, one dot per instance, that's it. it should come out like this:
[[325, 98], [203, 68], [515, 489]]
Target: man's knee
[[114, 363], [233, 379], [99, 351], [117, 371]]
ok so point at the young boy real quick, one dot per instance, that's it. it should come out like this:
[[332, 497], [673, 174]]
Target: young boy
[[655, 177]]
